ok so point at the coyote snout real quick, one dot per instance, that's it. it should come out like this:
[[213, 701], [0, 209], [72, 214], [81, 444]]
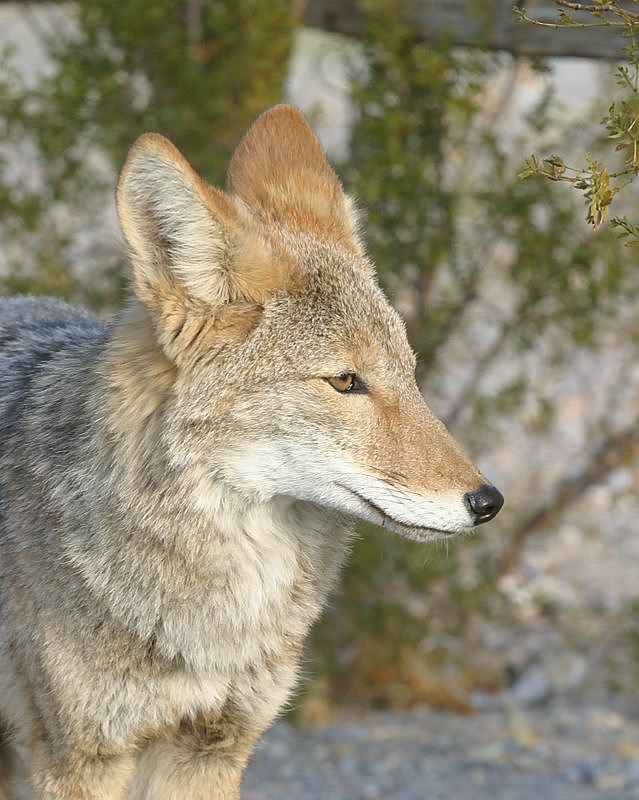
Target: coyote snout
[[179, 485]]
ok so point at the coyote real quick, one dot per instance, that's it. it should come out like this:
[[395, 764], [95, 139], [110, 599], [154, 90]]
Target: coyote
[[179, 485]]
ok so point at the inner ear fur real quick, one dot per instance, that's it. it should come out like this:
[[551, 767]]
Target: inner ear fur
[[280, 170], [189, 244]]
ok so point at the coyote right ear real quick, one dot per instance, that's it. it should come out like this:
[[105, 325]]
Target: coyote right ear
[[279, 170], [187, 243]]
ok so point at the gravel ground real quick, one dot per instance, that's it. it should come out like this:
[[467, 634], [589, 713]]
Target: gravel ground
[[551, 753]]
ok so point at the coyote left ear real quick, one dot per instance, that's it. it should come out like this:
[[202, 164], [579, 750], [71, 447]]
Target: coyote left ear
[[279, 169], [186, 240]]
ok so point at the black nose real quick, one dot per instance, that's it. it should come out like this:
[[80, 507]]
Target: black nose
[[484, 503]]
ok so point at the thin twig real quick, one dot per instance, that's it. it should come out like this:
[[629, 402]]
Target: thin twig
[[597, 8], [605, 23], [469, 390]]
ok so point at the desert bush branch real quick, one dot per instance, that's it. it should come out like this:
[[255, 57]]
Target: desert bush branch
[[613, 452], [598, 182]]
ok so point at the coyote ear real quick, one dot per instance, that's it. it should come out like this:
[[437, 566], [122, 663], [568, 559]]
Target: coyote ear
[[280, 170], [186, 241]]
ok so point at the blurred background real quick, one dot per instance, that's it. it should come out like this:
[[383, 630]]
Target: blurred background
[[524, 317]]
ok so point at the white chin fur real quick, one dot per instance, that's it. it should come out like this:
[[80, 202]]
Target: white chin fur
[[417, 516], [265, 471]]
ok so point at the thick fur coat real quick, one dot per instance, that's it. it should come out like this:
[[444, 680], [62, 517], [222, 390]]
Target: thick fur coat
[[178, 485]]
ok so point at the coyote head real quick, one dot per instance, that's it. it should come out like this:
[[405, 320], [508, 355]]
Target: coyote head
[[285, 371]]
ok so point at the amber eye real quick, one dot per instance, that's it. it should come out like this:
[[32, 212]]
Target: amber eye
[[346, 382]]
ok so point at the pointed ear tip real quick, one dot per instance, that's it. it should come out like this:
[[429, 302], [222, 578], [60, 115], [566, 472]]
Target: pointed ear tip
[[284, 109], [145, 146], [151, 142], [283, 114]]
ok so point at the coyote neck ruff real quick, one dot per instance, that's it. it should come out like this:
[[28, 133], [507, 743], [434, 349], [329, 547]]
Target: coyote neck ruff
[[178, 486]]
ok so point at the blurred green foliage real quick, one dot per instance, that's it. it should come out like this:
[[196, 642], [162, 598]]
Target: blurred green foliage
[[197, 72], [598, 182], [440, 192]]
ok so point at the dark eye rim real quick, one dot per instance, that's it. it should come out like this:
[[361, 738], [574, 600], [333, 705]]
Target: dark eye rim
[[357, 385]]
